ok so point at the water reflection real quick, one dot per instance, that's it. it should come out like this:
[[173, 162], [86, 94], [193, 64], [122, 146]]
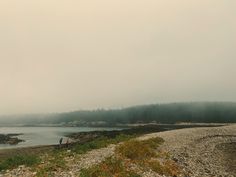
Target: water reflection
[[34, 136]]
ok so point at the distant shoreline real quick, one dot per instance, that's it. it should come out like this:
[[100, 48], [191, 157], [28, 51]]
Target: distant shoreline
[[120, 125]]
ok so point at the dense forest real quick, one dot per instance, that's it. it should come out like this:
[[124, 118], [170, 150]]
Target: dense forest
[[208, 112]]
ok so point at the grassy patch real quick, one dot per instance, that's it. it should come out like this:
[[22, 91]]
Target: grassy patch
[[51, 163], [111, 167], [100, 143], [165, 168], [56, 160], [139, 150], [132, 151], [15, 161], [144, 154]]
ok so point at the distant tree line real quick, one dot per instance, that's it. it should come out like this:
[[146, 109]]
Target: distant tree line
[[162, 113], [208, 112]]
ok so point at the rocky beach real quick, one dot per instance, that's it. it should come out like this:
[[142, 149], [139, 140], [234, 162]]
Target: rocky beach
[[198, 152], [202, 151]]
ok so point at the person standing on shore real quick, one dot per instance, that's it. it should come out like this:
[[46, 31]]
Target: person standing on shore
[[60, 142]]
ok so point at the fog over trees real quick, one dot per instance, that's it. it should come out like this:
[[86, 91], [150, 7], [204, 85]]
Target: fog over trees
[[197, 112]]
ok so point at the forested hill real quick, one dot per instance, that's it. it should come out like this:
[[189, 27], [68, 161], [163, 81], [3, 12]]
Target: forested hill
[[220, 112]]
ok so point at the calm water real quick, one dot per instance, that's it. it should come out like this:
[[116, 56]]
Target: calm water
[[34, 136]]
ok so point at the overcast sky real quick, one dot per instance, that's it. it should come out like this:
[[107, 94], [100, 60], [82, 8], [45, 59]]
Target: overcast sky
[[63, 55]]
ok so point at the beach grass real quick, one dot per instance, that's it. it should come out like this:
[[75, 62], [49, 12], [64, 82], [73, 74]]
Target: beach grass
[[15, 161], [100, 142]]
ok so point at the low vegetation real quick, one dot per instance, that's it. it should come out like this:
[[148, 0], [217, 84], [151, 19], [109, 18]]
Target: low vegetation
[[51, 163], [56, 160], [144, 154], [15, 161], [167, 167], [112, 166], [100, 143], [139, 150], [134, 155]]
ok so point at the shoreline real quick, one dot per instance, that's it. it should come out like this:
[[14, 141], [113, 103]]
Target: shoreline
[[84, 137], [198, 151]]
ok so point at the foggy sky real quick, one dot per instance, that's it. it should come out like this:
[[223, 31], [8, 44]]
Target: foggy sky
[[62, 55]]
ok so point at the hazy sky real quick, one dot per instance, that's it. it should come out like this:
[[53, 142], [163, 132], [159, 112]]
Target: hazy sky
[[62, 55]]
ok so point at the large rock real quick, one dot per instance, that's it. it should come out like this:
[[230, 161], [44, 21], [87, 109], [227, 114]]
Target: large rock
[[10, 139]]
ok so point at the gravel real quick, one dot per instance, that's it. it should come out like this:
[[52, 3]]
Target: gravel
[[200, 152]]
